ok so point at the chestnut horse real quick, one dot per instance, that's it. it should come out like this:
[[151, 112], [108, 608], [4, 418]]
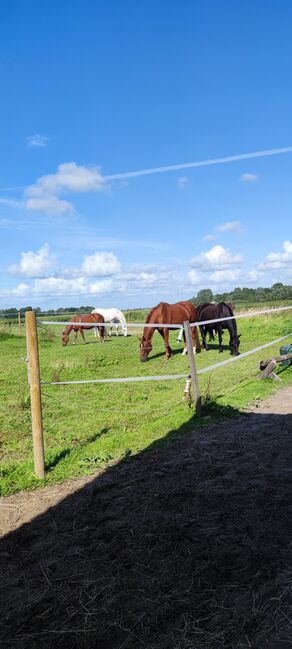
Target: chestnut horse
[[93, 318], [165, 313]]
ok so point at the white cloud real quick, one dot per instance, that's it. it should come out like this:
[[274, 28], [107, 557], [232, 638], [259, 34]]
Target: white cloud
[[194, 277], [249, 178], [140, 279], [22, 290], [230, 226], [182, 182], [225, 276], [34, 264], [37, 140], [216, 257], [77, 286], [69, 179], [49, 205], [278, 260], [101, 263], [209, 237]]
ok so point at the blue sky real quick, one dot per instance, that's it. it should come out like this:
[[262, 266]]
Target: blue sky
[[91, 90]]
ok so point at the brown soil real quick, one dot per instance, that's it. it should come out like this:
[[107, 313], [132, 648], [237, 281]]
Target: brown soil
[[185, 546]]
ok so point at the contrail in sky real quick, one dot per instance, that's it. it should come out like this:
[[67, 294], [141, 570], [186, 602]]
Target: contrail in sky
[[186, 165], [201, 163]]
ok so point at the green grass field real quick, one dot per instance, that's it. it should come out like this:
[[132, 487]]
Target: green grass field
[[89, 426]]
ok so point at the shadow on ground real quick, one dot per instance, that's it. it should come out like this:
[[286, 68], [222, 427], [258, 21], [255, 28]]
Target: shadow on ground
[[184, 546]]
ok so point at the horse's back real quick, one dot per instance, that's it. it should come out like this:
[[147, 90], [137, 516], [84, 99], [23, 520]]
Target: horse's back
[[110, 314], [177, 313]]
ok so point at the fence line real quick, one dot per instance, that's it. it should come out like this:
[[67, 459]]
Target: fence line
[[108, 324], [238, 358], [129, 379], [167, 377]]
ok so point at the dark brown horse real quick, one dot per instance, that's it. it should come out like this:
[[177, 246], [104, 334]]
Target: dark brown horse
[[93, 318], [210, 311], [165, 313]]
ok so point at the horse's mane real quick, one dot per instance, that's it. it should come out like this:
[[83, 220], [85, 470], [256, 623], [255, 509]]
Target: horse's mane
[[228, 307], [200, 308], [151, 312]]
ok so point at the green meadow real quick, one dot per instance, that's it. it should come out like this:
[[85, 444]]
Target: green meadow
[[89, 426]]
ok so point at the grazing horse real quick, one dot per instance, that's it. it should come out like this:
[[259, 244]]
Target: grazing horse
[[209, 311], [116, 317], [93, 319], [165, 313]]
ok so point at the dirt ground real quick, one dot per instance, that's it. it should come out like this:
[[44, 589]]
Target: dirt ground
[[184, 546]]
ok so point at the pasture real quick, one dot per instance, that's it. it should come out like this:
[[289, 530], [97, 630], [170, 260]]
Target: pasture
[[88, 427]]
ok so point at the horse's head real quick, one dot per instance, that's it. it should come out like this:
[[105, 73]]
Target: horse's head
[[234, 345], [145, 349], [65, 339], [124, 330]]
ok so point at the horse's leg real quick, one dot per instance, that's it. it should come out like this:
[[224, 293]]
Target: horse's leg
[[165, 335], [75, 336], [196, 339], [180, 335], [166, 343], [117, 329], [101, 334], [231, 334], [204, 334], [82, 334], [96, 332], [185, 349], [219, 329]]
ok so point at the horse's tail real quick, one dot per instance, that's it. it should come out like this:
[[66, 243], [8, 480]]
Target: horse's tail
[[97, 319]]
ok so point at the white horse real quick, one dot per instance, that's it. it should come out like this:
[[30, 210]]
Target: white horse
[[114, 316]]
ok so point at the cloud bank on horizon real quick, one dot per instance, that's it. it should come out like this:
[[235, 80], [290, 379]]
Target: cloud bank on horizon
[[102, 273]]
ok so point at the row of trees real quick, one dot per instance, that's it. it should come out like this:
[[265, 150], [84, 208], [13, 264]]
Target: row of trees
[[252, 295], [13, 312], [276, 292]]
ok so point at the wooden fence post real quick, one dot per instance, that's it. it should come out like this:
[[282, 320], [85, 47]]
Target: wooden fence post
[[19, 323], [35, 394], [193, 369]]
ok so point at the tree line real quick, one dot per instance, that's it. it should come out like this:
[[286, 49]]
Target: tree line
[[13, 312], [276, 292], [252, 295]]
